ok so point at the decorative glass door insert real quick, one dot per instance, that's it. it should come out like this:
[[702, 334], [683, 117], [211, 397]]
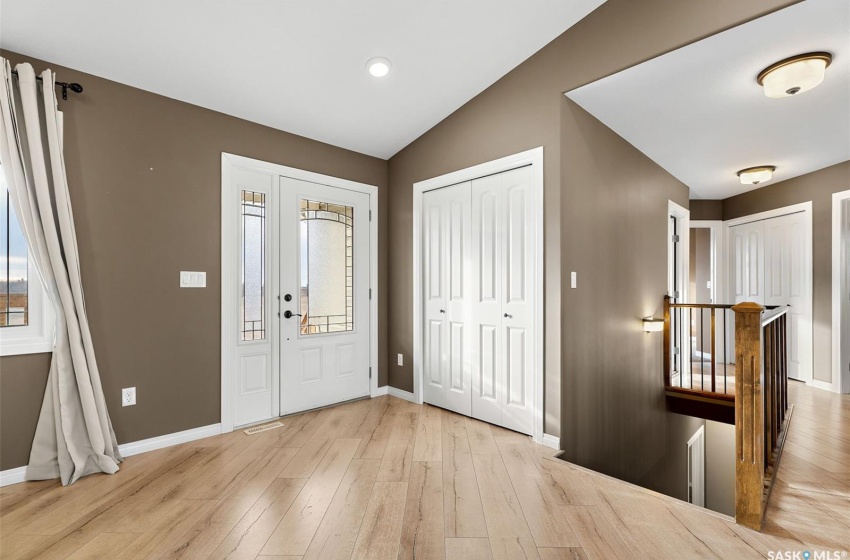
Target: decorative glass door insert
[[327, 267]]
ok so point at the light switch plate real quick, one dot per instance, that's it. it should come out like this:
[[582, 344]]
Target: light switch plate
[[128, 396], [190, 279], [401, 359], [573, 280]]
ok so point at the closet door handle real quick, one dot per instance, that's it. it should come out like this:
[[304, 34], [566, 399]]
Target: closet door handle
[[442, 310], [508, 316]]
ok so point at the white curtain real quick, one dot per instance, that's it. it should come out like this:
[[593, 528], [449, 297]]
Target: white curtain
[[74, 435]]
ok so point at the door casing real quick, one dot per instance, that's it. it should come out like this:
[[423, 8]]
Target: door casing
[[230, 265], [534, 158], [840, 287]]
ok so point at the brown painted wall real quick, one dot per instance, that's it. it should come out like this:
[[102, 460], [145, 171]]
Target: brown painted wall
[[524, 110], [817, 187], [145, 181], [706, 209], [615, 208]]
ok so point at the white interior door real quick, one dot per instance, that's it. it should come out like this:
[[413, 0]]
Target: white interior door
[[770, 264], [324, 290], [502, 300], [445, 251], [746, 251], [786, 283]]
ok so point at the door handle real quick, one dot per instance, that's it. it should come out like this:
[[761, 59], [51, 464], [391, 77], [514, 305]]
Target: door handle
[[508, 316], [442, 310], [289, 314]]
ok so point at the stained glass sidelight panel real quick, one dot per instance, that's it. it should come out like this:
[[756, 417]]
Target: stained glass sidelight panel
[[327, 267], [253, 265]]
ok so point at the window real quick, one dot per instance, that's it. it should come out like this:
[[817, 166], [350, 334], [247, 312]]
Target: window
[[26, 325]]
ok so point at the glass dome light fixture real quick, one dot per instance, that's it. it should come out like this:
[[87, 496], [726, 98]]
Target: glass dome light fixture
[[378, 66], [756, 175], [794, 75]]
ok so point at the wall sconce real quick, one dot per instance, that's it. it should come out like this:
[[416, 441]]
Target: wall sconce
[[653, 324]]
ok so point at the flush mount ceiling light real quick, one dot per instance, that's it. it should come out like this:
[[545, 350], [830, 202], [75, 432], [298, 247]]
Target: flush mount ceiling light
[[756, 175], [379, 66], [794, 75]]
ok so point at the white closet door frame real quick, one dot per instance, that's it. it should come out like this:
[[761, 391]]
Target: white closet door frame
[[806, 209], [534, 158], [230, 163], [840, 374]]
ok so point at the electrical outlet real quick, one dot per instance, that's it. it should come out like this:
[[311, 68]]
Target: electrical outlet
[[128, 396], [401, 359]]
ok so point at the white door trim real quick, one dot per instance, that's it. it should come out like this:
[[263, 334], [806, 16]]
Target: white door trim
[[230, 263], [696, 473], [840, 377], [534, 158], [806, 209], [717, 255], [684, 215]]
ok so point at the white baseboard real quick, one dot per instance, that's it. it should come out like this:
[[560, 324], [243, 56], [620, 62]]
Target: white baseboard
[[551, 441], [379, 391], [15, 476], [12, 476], [832, 387], [159, 442], [400, 394]]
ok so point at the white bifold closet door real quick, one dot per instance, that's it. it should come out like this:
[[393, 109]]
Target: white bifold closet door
[[447, 332], [770, 263], [477, 267]]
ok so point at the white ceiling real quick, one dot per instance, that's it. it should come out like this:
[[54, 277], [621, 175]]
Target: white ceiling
[[298, 65], [699, 113]]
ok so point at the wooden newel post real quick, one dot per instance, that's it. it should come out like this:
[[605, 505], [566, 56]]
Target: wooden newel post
[[749, 416]]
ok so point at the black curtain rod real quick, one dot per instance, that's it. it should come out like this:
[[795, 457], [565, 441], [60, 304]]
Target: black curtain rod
[[75, 87]]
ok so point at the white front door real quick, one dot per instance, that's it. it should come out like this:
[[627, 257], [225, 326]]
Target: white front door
[[324, 295], [447, 333]]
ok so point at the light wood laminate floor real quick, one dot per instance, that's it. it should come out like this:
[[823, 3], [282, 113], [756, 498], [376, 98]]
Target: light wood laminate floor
[[385, 479]]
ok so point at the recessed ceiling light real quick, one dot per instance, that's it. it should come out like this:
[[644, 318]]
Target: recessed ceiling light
[[379, 66], [794, 75], [756, 175]]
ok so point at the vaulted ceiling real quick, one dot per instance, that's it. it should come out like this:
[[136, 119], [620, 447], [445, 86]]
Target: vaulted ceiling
[[298, 65]]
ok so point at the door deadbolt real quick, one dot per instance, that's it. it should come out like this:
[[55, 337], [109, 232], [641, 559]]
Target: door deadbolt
[[287, 297]]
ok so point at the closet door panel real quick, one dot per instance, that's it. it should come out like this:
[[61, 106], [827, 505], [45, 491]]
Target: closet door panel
[[787, 266], [446, 234], [487, 267], [517, 311]]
